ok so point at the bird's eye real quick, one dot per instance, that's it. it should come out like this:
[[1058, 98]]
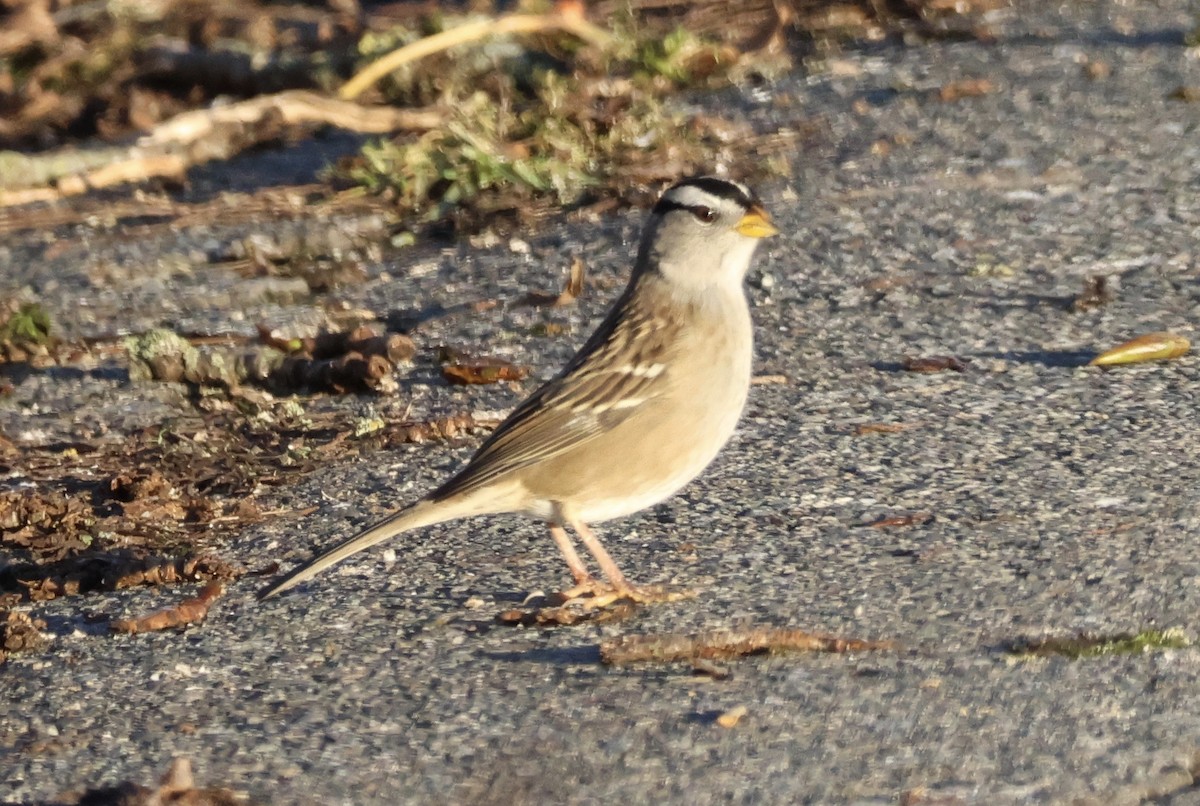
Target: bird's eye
[[705, 215]]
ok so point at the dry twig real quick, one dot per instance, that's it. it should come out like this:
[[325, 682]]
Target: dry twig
[[194, 138], [672, 647], [471, 31]]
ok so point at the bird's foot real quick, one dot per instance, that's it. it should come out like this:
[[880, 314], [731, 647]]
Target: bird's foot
[[593, 594], [594, 600]]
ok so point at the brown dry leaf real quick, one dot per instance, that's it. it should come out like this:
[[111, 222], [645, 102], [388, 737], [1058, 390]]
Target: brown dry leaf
[[1188, 95], [862, 429], [967, 88], [571, 291], [1098, 290], [911, 519], [1151, 347], [50, 525], [484, 370], [395, 347], [156, 571], [574, 283], [115, 571], [440, 428], [188, 611], [20, 633], [935, 363], [1097, 70]]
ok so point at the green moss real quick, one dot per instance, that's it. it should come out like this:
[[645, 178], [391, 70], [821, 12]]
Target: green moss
[[1090, 646], [29, 324], [555, 126], [681, 57]]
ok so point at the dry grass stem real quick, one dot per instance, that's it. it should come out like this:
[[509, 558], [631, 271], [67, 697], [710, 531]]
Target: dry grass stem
[[673, 647]]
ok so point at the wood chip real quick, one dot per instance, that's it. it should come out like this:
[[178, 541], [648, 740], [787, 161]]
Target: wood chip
[[730, 718]]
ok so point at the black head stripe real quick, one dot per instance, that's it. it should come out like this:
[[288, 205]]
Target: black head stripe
[[711, 185], [666, 205]]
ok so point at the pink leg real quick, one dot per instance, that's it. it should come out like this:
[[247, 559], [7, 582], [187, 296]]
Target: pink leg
[[578, 570], [607, 566]]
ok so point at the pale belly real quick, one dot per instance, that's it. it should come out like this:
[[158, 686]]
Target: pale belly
[[650, 456]]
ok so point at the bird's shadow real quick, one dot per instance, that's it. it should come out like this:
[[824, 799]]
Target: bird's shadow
[[1066, 359], [582, 655], [1061, 359]]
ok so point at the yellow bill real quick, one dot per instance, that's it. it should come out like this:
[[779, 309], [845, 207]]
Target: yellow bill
[[756, 224]]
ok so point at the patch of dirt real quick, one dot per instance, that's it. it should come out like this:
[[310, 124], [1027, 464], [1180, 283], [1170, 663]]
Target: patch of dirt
[[91, 514]]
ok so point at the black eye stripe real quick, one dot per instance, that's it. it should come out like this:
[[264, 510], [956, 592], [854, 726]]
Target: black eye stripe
[[698, 210]]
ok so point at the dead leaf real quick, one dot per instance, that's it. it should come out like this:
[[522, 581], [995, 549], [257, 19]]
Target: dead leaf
[[20, 632], [188, 611], [490, 370], [1097, 70], [571, 291], [967, 88], [935, 363], [1098, 290], [1188, 95], [912, 519], [1151, 347], [437, 429]]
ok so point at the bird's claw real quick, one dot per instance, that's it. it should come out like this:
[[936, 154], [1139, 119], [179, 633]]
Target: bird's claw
[[594, 600], [593, 594]]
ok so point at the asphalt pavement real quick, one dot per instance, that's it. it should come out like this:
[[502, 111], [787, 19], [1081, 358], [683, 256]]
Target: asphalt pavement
[[1051, 498]]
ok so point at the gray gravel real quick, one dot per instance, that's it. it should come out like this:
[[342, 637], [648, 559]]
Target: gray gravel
[[1063, 498]]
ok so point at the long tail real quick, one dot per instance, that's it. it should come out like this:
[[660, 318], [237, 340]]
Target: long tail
[[422, 513]]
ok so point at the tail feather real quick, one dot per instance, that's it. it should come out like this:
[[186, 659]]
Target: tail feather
[[422, 513]]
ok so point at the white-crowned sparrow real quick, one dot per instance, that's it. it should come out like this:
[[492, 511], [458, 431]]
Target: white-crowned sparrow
[[639, 411]]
